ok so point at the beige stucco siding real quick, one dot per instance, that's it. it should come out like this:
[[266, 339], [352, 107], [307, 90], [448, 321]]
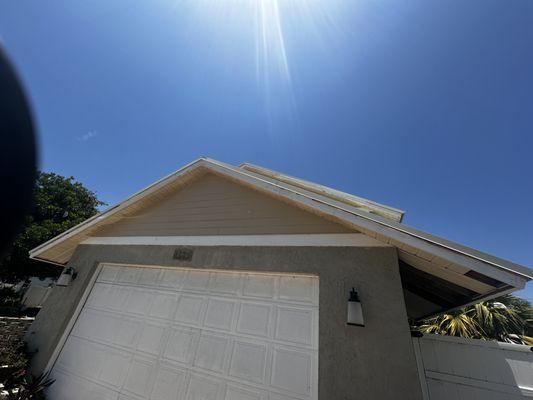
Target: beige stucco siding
[[215, 206]]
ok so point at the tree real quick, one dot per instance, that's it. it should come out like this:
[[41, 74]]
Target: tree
[[507, 319], [59, 203]]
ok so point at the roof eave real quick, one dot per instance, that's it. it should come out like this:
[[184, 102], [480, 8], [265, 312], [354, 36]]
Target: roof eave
[[381, 209], [319, 203]]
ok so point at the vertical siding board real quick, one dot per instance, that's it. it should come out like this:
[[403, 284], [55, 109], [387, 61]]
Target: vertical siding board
[[437, 390], [474, 369], [444, 361], [493, 367], [522, 370], [428, 355], [421, 368]]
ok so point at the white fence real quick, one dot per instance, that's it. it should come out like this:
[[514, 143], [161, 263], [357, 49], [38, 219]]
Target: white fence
[[455, 368], [35, 296]]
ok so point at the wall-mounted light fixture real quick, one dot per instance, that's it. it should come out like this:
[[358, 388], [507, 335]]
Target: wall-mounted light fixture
[[355, 312], [67, 276]]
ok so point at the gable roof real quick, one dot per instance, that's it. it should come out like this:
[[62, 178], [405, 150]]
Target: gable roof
[[349, 199], [464, 274]]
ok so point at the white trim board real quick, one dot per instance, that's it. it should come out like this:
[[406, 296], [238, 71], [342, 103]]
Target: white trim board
[[314, 240]]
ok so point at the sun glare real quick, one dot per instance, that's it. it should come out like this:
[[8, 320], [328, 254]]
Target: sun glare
[[270, 42]]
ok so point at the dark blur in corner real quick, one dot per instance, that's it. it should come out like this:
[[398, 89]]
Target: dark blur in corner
[[18, 156]]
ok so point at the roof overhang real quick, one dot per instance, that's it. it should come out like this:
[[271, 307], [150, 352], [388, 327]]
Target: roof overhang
[[459, 275]]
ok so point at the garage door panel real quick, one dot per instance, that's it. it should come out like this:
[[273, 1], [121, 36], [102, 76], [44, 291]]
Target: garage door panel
[[100, 296], [277, 396], [211, 353], [109, 273], [94, 361], [249, 361], [181, 344], [219, 314], [196, 280], [234, 392], [254, 319], [105, 296], [66, 384], [190, 309], [171, 278], [140, 379], [261, 286], [101, 326], [203, 388], [151, 338], [294, 325], [169, 384], [149, 276], [190, 334], [295, 288], [292, 370], [129, 275], [227, 283], [163, 305], [138, 301]]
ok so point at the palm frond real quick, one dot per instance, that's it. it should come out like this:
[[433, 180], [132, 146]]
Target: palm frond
[[506, 318]]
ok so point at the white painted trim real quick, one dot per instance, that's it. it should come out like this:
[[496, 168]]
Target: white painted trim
[[421, 369], [477, 383], [221, 269], [481, 343], [314, 240], [66, 332]]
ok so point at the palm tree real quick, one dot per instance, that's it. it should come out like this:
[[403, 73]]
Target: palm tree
[[453, 323], [507, 318]]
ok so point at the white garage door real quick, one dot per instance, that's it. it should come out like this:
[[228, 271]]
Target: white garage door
[[165, 334]]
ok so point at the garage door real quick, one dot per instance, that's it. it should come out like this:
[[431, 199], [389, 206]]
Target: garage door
[[167, 333]]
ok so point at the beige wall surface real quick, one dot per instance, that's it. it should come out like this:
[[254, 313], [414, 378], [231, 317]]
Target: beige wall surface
[[216, 206], [374, 362]]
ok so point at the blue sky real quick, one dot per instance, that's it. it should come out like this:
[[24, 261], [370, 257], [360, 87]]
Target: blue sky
[[424, 106]]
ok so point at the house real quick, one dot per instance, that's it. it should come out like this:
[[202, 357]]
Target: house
[[222, 282]]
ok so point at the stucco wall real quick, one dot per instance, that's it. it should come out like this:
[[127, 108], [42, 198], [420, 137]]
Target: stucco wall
[[374, 362]]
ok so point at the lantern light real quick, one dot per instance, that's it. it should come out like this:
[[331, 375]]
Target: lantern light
[[355, 312], [67, 276]]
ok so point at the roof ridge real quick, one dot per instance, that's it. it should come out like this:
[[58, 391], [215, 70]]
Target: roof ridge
[[344, 197]]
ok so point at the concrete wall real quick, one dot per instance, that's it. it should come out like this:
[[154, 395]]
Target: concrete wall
[[374, 362]]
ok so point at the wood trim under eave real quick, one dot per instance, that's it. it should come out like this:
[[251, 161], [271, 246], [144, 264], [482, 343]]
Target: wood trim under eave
[[293, 240]]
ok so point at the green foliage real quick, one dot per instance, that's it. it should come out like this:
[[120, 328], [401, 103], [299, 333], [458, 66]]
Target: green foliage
[[10, 303], [507, 319], [17, 382], [13, 359], [59, 203], [9, 297], [24, 386]]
